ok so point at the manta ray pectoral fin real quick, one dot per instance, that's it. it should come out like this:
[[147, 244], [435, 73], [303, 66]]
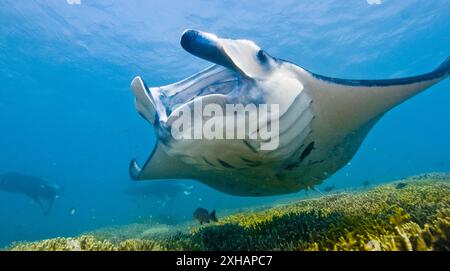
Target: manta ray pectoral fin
[[144, 102], [242, 56], [375, 96], [399, 90], [440, 73]]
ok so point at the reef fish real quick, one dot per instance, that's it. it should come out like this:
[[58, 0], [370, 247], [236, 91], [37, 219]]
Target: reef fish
[[322, 121], [40, 190], [401, 185], [203, 216]]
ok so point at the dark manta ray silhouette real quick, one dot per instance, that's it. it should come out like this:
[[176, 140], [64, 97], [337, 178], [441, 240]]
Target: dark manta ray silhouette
[[41, 190]]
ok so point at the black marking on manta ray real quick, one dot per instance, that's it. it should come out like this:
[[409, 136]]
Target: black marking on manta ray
[[225, 164], [142, 115], [292, 166], [295, 164], [246, 160], [307, 151], [147, 89], [251, 163], [249, 146], [209, 163]]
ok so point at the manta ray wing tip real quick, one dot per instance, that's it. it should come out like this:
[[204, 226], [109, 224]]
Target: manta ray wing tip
[[134, 169], [444, 67]]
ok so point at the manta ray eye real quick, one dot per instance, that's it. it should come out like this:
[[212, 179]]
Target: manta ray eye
[[262, 56]]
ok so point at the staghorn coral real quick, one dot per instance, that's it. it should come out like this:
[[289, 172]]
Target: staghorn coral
[[415, 217]]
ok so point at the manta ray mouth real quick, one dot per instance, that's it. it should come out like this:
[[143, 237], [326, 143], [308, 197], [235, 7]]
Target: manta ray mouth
[[237, 62], [157, 103]]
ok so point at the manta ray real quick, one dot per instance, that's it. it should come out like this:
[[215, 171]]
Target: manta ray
[[322, 120], [40, 190]]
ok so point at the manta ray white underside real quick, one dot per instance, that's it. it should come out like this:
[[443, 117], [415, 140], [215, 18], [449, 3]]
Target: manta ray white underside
[[322, 120]]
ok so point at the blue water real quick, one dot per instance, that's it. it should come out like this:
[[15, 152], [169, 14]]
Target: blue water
[[67, 114]]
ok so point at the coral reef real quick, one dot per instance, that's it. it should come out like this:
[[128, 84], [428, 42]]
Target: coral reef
[[87, 243], [412, 216], [148, 231]]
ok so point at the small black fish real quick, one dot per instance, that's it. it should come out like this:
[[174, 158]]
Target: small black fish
[[202, 216], [329, 188], [366, 183], [401, 185]]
